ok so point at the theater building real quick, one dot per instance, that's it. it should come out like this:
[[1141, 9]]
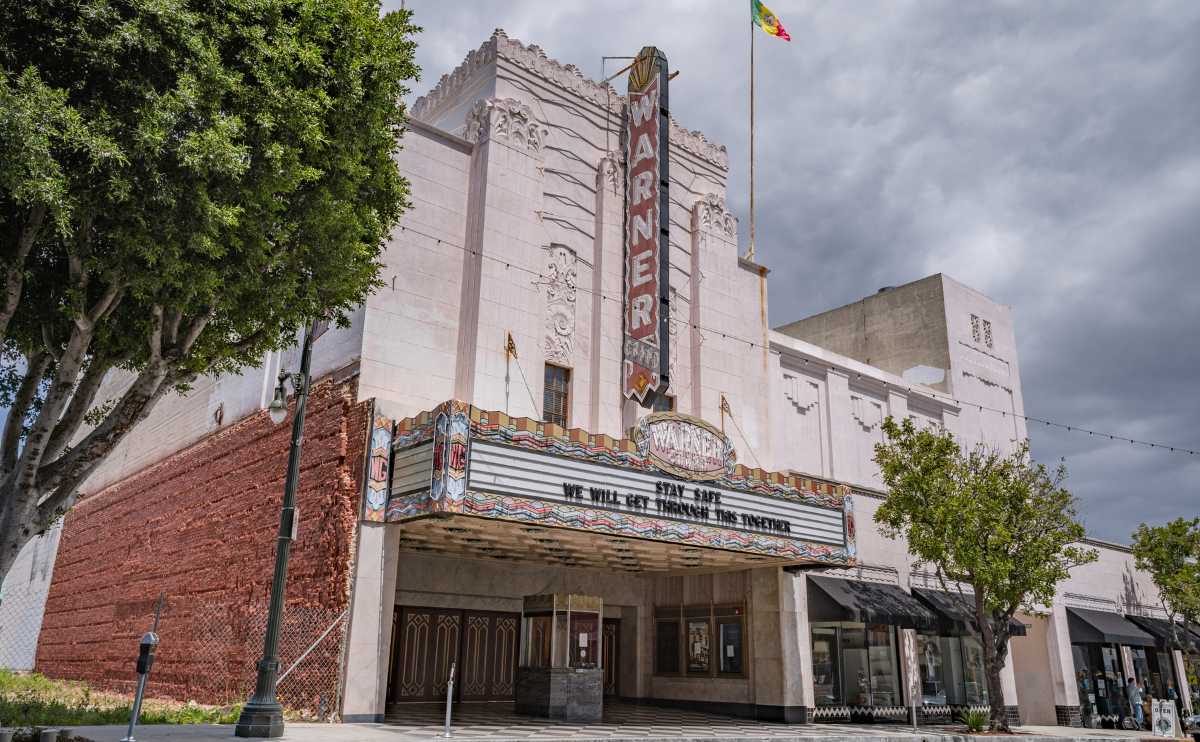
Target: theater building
[[564, 450]]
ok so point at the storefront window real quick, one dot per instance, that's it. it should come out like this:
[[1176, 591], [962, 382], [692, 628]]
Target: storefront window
[[729, 637], [1098, 677], [1141, 669], [856, 665], [1192, 667], [666, 646], [699, 644], [885, 681], [974, 679], [687, 637], [825, 667]]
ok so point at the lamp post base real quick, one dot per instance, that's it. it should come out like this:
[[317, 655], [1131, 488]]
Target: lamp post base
[[260, 720]]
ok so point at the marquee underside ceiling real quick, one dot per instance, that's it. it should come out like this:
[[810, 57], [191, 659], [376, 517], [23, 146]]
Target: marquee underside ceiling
[[487, 539]]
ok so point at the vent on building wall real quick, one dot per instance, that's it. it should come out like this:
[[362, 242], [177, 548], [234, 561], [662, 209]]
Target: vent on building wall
[[981, 330]]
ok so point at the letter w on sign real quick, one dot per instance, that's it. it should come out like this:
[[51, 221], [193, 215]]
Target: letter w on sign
[[645, 241]]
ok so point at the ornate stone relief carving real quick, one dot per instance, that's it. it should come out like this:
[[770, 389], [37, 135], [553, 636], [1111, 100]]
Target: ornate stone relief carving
[[803, 394], [866, 412], [561, 277], [711, 214], [509, 119], [609, 172]]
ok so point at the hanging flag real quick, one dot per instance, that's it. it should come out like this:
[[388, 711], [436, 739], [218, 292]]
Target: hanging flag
[[767, 20]]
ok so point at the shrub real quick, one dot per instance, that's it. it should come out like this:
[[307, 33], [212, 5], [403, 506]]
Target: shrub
[[975, 719]]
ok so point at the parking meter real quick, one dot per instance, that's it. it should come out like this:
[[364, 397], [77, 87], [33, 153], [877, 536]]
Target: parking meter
[[146, 652]]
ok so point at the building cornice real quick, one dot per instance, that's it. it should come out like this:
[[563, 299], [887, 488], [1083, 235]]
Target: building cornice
[[533, 59]]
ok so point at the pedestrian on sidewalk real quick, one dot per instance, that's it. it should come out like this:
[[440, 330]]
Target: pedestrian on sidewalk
[[1133, 693]]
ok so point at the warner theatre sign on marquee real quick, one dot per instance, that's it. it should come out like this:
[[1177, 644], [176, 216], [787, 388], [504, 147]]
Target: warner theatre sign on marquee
[[647, 264]]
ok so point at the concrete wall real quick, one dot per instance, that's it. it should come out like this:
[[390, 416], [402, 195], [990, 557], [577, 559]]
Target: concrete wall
[[941, 335], [1031, 660], [23, 600]]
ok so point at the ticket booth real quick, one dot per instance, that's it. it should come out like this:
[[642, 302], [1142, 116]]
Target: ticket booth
[[560, 675]]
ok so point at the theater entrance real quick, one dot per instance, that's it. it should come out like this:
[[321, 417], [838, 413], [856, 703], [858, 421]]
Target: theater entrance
[[426, 641]]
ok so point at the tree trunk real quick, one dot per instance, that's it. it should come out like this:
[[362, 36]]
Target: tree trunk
[[993, 660], [17, 515]]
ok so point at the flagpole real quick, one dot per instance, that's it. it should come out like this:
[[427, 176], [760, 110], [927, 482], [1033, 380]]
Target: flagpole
[[750, 252]]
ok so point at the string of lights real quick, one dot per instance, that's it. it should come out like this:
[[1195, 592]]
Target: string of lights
[[509, 265]]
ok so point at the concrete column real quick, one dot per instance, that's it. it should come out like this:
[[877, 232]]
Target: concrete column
[[798, 695], [897, 403], [1181, 685], [910, 669], [766, 650], [841, 436], [504, 207], [1062, 668], [1008, 684], [369, 643]]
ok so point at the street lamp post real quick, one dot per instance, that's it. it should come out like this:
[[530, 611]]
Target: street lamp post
[[262, 716]]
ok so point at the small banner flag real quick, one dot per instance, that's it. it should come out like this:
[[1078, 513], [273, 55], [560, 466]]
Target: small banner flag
[[767, 21]]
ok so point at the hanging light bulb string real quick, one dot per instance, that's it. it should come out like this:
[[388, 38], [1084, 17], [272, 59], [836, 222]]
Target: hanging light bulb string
[[751, 344]]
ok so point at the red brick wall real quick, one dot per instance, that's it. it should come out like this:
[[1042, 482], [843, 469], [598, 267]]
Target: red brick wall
[[201, 526]]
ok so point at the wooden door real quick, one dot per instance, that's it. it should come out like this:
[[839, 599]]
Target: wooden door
[[489, 655], [427, 642], [611, 651]]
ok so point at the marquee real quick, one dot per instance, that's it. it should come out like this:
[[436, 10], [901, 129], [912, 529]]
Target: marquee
[[673, 481]]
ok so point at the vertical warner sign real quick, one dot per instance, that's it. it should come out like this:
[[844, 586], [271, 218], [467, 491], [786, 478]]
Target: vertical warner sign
[[647, 263]]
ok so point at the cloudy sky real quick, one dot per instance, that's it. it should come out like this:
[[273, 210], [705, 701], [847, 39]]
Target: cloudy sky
[[1047, 154]]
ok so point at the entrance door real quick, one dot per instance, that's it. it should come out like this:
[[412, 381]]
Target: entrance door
[[427, 640], [611, 649], [489, 654]]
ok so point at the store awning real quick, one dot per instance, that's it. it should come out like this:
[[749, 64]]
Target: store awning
[[833, 599], [1101, 627], [1160, 629], [958, 614]]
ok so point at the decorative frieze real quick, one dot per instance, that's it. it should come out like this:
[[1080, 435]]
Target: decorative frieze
[[696, 143], [562, 275], [508, 119], [533, 59]]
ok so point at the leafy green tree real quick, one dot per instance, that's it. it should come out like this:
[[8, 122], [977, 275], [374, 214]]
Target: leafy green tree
[[997, 523], [1171, 554], [182, 184]]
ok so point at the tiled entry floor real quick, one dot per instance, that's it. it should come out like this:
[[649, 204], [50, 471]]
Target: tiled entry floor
[[493, 722]]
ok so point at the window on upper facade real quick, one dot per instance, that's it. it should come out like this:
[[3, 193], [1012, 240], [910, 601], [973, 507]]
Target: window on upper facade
[[976, 330], [556, 395], [987, 333]]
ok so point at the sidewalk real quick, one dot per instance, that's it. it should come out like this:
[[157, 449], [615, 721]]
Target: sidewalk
[[719, 732]]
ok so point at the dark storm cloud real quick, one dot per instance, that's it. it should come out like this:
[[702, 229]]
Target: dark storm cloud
[[1047, 154]]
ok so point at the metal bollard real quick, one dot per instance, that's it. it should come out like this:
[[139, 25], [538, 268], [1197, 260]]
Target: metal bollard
[[449, 698]]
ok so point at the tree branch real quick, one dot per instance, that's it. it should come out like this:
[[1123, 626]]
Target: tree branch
[[65, 375], [62, 478], [14, 280], [81, 402], [26, 392]]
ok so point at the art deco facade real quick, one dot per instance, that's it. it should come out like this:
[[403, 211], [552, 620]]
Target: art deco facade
[[477, 451]]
